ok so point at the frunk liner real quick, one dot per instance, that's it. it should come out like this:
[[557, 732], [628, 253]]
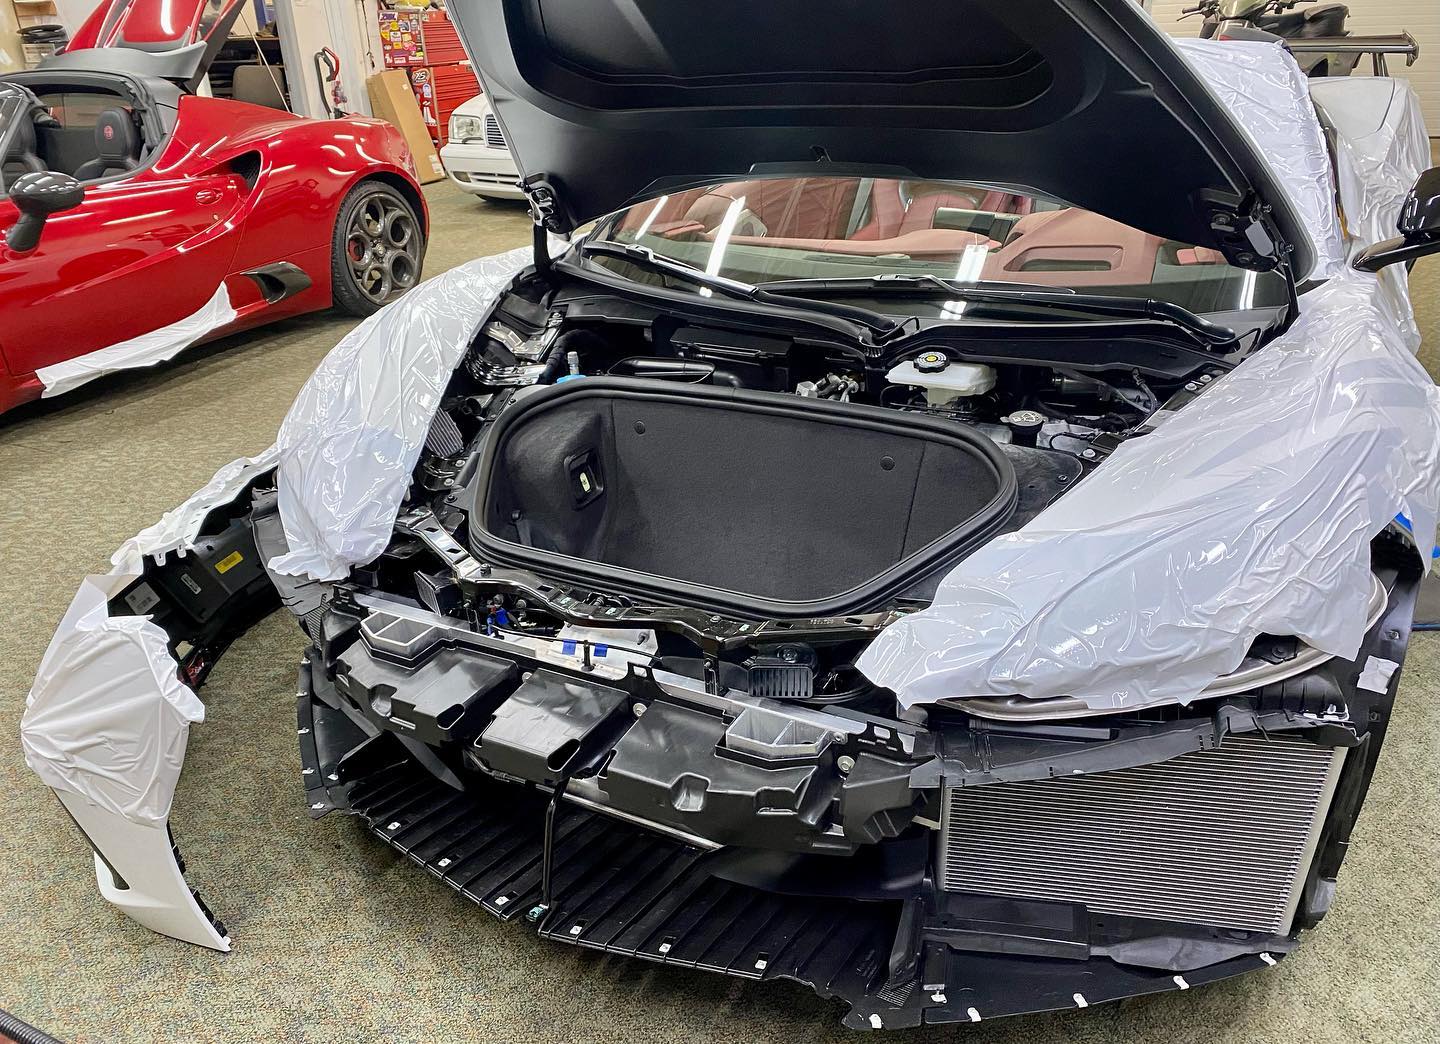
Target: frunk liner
[[732, 500]]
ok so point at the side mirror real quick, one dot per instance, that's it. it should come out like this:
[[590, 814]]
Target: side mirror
[[37, 196], [1419, 227]]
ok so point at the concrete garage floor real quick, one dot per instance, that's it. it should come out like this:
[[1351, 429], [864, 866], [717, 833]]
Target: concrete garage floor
[[338, 939]]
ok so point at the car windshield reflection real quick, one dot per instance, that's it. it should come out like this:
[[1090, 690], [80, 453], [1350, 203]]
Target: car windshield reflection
[[761, 230]]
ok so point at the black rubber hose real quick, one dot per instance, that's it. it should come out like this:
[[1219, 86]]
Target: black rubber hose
[[692, 371], [584, 342], [22, 1032]]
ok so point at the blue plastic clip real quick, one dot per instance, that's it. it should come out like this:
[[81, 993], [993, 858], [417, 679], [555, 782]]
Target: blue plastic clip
[[1405, 524]]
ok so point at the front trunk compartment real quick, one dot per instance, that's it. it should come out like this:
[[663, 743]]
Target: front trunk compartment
[[733, 500]]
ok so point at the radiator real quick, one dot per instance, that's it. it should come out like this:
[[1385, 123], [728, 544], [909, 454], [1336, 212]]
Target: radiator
[[1220, 837]]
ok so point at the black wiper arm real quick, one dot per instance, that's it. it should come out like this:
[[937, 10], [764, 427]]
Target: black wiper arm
[[906, 281], [1019, 294], [647, 258]]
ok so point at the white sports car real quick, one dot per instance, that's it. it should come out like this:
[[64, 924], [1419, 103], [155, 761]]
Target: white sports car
[[947, 534]]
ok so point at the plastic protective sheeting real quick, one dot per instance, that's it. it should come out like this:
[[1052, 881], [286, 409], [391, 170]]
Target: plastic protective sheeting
[[1248, 512], [1267, 94], [350, 442], [145, 350], [1381, 147], [107, 717], [179, 527]]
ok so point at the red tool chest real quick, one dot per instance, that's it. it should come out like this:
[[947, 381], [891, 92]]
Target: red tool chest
[[429, 48]]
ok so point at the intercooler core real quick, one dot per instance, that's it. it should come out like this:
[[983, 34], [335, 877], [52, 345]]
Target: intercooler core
[[1219, 837]]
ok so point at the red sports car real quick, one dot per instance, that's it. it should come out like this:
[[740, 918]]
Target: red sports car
[[139, 217]]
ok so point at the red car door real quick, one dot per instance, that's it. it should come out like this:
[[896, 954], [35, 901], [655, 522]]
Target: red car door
[[141, 253], [134, 257]]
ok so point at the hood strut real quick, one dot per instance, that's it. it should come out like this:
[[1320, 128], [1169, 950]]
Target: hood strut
[[540, 238], [545, 214]]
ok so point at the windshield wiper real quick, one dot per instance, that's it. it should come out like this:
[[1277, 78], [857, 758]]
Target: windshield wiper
[[906, 282], [647, 258], [1017, 295]]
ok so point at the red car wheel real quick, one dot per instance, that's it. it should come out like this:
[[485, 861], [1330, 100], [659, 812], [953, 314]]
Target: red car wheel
[[378, 249]]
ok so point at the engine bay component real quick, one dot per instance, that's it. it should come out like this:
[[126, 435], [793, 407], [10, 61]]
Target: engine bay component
[[1193, 839], [943, 380], [548, 726], [445, 696], [1025, 426], [787, 673]]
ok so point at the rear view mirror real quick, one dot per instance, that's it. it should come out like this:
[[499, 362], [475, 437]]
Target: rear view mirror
[[1419, 227], [37, 196]]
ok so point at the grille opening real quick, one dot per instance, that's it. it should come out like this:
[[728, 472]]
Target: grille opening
[[493, 136]]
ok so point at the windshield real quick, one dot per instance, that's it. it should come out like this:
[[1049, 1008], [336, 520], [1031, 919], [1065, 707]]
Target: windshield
[[761, 231]]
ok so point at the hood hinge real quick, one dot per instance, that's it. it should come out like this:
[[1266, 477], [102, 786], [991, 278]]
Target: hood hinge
[[547, 215], [546, 208], [1243, 230]]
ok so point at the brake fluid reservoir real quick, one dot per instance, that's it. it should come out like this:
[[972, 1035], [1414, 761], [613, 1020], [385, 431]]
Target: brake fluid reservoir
[[943, 380]]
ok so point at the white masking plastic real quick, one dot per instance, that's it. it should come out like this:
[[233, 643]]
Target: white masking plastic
[[351, 440], [1381, 147], [1269, 97], [1248, 512], [148, 349], [107, 717], [179, 527]]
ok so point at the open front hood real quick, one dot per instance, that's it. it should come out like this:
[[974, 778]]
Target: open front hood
[[169, 39], [609, 102]]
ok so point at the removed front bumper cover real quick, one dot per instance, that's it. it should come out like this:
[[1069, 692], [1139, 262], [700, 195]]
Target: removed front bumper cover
[[105, 726]]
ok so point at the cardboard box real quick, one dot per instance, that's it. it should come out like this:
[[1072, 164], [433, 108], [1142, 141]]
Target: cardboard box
[[393, 100]]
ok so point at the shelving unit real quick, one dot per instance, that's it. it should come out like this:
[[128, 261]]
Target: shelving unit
[[242, 50], [35, 12]]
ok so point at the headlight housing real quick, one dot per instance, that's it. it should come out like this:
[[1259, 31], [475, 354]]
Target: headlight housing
[[465, 128]]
